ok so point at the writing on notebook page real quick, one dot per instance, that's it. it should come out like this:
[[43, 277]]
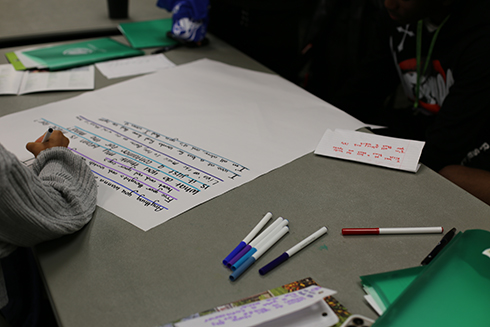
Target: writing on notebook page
[[144, 170]]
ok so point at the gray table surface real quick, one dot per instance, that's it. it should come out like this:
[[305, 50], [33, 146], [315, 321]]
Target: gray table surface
[[113, 274], [19, 18]]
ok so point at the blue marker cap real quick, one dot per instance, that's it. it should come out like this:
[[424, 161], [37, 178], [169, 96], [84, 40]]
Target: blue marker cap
[[243, 259], [233, 253], [240, 254], [274, 263], [242, 268]]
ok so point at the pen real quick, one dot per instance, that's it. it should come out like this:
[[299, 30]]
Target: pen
[[396, 230], [248, 238], [47, 135], [289, 253], [255, 241], [259, 244], [165, 49], [265, 246], [442, 243]]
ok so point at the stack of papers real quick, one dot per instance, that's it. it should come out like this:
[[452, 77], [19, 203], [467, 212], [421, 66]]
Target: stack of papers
[[23, 82]]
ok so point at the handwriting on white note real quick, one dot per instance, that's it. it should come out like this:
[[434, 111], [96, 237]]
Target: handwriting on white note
[[372, 149], [267, 310]]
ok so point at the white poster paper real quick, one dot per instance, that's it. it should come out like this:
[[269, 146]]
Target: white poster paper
[[165, 142]]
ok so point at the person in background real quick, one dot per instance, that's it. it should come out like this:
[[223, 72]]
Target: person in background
[[440, 50], [55, 198]]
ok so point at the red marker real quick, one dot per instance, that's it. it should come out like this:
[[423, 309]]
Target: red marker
[[398, 230]]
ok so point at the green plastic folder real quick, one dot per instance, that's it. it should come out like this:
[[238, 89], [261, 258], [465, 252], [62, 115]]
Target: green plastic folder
[[389, 285], [81, 53], [453, 290], [148, 34]]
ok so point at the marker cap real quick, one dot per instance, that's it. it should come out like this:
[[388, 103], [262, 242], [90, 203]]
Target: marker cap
[[240, 254], [243, 259], [234, 252], [242, 268], [273, 264]]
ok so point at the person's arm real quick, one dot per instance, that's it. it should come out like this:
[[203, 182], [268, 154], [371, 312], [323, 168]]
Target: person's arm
[[56, 197], [474, 181]]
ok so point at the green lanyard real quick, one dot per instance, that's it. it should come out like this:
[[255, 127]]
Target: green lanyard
[[419, 54]]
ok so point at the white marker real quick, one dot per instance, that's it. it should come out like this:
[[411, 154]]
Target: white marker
[[289, 253]]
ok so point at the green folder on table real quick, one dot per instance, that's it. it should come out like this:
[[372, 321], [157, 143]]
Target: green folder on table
[[148, 34], [453, 290], [385, 287], [81, 53]]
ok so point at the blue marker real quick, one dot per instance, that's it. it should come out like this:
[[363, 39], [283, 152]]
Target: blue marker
[[261, 239], [248, 238], [264, 247], [289, 253]]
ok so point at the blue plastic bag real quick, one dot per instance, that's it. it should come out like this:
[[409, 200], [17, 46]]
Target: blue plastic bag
[[189, 18]]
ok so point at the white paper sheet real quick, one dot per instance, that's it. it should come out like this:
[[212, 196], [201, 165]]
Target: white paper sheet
[[81, 78], [264, 312], [371, 149], [134, 66], [210, 126], [10, 79], [23, 82]]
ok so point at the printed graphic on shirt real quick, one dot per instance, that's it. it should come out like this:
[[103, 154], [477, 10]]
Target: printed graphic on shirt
[[434, 85], [435, 82], [481, 153]]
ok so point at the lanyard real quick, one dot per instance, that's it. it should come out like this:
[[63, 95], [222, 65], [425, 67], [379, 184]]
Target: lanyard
[[419, 54]]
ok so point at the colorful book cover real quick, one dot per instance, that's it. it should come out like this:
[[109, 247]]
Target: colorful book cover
[[81, 53], [338, 308], [148, 34]]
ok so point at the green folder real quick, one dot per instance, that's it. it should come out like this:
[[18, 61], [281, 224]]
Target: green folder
[[81, 53], [386, 287], [453, 290], [148, 34]]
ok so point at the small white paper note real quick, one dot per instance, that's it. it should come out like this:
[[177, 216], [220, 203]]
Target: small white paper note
[[134, 66], [371, 149], [257, 313]]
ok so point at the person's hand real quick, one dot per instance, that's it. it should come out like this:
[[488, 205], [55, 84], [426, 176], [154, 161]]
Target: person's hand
[[57, 139]]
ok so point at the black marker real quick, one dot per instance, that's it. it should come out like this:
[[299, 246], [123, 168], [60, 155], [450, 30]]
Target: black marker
[[47, 135], [442, 243], [165, 49]]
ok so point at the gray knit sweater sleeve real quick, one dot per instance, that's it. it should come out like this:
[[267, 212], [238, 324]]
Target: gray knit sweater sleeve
[[54, 198]]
